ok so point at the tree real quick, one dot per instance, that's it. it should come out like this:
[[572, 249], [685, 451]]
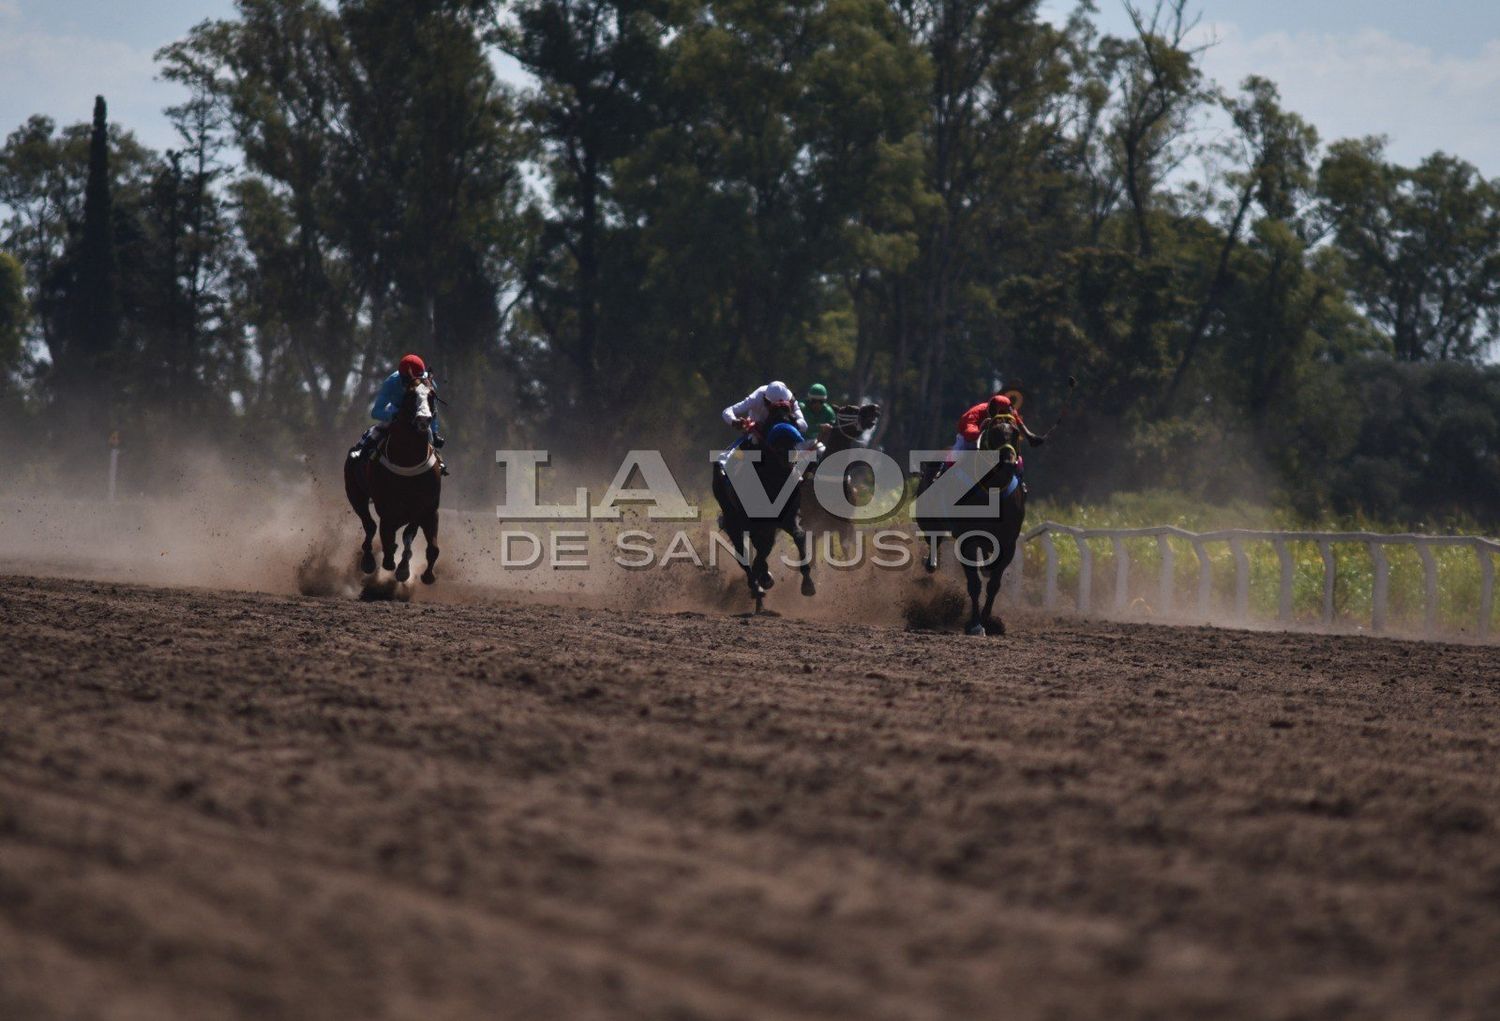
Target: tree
[[431, 173], [14, 313], [43, 177], [992, 132], [377, 200], [597, 64], [1274, 156], [84, 374], [1421, 246], [790, 150], [274, 71]]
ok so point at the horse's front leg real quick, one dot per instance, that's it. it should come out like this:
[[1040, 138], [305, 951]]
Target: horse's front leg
[[429, 532], [994, 625], [934, 545], [804, 544], [976, 622], [367, 558], [408, 536], [991, 624], [367, 552], [388, 544], [739, 538], [359, 500], [760, 567]]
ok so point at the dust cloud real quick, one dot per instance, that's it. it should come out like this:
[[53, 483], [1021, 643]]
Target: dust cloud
[[229, 526]]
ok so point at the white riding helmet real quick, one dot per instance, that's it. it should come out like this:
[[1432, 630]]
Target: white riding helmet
[[778, 392]]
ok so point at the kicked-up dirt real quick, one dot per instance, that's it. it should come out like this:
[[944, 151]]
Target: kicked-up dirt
[[216, 804]]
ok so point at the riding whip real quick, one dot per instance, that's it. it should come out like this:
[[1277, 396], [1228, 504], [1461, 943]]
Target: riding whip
[[1067, 405]]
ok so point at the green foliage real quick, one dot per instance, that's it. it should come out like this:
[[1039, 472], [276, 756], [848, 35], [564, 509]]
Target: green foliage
[[1421, 246], [1458, 572], [913, 201], [14, 315]]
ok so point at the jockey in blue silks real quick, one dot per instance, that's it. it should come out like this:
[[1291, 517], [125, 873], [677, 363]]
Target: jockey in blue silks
[[393, 390], [388, 402]]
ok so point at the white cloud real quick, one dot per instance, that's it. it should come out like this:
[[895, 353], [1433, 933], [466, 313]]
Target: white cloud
[[59, 75], [1367, 82]]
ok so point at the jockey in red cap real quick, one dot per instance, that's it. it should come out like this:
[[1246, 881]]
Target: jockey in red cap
[[388, 402], [971, 424]]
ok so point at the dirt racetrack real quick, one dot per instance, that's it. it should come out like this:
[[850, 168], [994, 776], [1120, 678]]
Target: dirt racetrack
[[216, 804]]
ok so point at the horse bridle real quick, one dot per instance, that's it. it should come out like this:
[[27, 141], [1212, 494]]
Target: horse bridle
[[848, 419], [1001, 421]]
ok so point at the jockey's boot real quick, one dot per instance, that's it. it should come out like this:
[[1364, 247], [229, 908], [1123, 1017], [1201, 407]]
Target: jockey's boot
[[367, 443], [442, 465]]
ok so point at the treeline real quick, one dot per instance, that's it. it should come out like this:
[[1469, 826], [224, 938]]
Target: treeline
[[910, 201]]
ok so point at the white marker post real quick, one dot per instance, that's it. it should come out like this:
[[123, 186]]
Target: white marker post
[[114, 462]]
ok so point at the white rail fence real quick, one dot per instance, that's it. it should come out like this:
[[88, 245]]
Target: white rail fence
[[1375, 544]]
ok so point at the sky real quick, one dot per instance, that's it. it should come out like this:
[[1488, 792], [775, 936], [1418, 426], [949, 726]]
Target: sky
[[1425, 74]]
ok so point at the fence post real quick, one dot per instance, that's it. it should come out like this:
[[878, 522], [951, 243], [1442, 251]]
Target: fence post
[[1049, 596], [1330, 575], [1487, 587], [1429, 586], [1015, 575], [1288, 568], [1238, 539], [1205, 578], [1085, 573], [1165, 545], [1241, 578], [1122, 572], [1382, 581]]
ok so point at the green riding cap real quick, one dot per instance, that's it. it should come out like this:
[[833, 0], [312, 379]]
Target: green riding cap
[[818, 410]]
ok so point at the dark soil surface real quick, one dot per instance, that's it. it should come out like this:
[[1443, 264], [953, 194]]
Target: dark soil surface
[[216, 804]]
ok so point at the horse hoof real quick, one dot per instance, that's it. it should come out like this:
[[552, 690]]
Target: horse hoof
[[994, 626], [389, 563], [808, 588], [974, 629], [428, 577], [367, 564], [403, 572]]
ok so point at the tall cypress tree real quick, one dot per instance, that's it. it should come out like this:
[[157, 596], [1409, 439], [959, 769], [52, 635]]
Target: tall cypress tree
[[96, 303], [83, 367]]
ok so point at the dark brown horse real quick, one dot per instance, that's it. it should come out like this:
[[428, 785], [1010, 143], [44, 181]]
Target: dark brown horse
[[986, 542], [401, 476], [854, 420], [770, 474]]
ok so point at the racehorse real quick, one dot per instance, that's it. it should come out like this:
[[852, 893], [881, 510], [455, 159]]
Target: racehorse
[[854, 420], [988, 541], [771, 474], [402, 478]]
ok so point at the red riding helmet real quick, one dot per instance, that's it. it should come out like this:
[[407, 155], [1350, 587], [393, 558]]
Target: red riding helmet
[[999, 405], [411, 366]]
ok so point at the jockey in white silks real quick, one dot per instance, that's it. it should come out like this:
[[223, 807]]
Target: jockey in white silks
[[752, 413]]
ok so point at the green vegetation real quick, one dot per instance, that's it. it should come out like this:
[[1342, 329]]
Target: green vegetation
[[910, 201], [1458, 571]]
